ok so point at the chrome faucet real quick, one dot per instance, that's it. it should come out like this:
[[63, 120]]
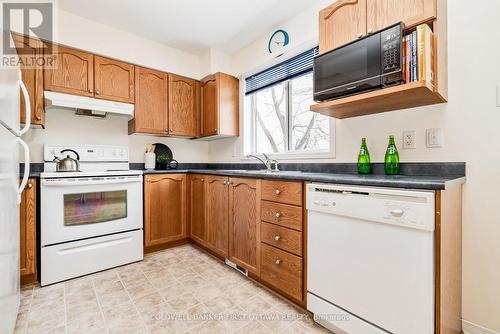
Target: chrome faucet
[[267, 162]]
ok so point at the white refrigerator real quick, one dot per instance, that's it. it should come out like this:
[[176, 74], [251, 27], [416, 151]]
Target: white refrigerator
[[10, 191]]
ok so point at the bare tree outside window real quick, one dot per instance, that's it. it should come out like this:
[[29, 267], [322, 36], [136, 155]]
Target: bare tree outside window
[[283, 121]]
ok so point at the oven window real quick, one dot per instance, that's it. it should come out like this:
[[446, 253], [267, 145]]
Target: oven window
[[93, 208]]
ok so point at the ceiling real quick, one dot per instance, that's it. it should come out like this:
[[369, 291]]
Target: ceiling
[[191, 25]]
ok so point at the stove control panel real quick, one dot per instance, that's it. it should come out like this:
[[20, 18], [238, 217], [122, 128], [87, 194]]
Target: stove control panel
[[88, 153]]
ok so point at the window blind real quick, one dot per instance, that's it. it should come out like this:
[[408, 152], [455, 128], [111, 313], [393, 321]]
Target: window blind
[[286, 70]]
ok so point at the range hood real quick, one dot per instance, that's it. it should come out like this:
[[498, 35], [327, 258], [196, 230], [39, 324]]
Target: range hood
[[96, 107]]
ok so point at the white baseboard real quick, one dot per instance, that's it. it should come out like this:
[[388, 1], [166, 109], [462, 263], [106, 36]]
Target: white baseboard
[[471, 328]]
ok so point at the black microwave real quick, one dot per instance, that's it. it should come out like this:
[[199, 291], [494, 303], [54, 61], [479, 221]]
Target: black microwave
[[366, 64]]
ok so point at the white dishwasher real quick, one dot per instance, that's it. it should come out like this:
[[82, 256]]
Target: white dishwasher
[[370, 259]]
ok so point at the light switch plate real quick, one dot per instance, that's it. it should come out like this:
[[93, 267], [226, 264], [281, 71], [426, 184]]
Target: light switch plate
[[409, 140], [434, 138]]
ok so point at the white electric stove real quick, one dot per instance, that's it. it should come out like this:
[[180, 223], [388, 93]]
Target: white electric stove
[[91, 220]]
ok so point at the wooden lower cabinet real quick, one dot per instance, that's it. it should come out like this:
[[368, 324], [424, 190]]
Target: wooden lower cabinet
[[244, 223], [198, 218], [217, 209], [283, 270], [165, 208], [28, 245]]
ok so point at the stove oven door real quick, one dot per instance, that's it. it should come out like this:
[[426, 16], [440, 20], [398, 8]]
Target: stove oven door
[[80, 208]]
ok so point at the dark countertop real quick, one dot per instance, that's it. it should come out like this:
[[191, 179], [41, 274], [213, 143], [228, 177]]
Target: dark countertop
[[427, 176], [398, 181]]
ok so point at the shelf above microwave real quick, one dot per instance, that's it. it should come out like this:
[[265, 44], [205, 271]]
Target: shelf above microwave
[[410, 95]]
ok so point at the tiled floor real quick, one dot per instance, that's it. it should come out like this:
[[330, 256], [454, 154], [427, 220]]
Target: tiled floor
[[179, 290]]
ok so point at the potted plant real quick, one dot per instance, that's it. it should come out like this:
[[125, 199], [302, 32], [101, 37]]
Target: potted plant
[[162, 161]]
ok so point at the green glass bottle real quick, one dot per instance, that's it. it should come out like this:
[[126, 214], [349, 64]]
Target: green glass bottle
[[364, 163], [391, 158]]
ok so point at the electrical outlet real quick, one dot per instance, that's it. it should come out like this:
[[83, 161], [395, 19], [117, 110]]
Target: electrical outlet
[[409, 140], [434, 138]]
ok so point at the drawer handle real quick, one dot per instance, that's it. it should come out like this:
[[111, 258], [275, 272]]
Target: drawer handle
[[278, 215], [277, 238], [277, 191], [278, 262]]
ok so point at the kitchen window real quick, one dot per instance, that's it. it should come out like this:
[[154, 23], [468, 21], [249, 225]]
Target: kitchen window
[[280, 123]]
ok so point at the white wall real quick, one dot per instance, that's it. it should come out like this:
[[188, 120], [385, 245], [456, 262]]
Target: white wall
[[470, 123], [63, 126]]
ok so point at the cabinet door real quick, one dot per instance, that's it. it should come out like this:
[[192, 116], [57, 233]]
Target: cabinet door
[[114, 80], [244, 224], [32, 75], [183, 106], [151, 107], [217, 204], [383, 13], [164, 208], [28, 230], [73, 72], [209, 106], [341, 23], [198, 231]]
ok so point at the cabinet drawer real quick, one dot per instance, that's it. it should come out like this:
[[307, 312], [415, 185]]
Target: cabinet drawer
[[282, 192], [282, 270], [282, 237], [282, 214]]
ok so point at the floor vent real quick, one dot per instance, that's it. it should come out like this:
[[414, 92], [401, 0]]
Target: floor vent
[[240, 269]]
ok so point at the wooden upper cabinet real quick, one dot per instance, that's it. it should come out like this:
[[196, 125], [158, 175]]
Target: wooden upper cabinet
[[165, 208], [209, 106], [28, 237], [383, 13], [30, 49], [219, 105], [151, 102], [184, 107], [114, 80], [217, 206], [198, 220], [340, 23], [244, 223], [73, 72]]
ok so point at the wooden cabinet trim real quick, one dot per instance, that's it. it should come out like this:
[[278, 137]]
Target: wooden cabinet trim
[[330, 10]]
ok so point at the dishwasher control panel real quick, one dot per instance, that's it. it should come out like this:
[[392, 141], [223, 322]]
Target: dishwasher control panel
[[398, 207]]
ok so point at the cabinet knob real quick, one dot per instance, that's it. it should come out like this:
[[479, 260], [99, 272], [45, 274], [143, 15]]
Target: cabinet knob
[[278, 262], [38, 118], [29, 186], [225, 182], [278, 215], [360, 35], [370, 31], [277, 191], [202, 180], [97, 92], [215, 130], [91, 91], [277, 238], [171, 130], [166, 130]]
